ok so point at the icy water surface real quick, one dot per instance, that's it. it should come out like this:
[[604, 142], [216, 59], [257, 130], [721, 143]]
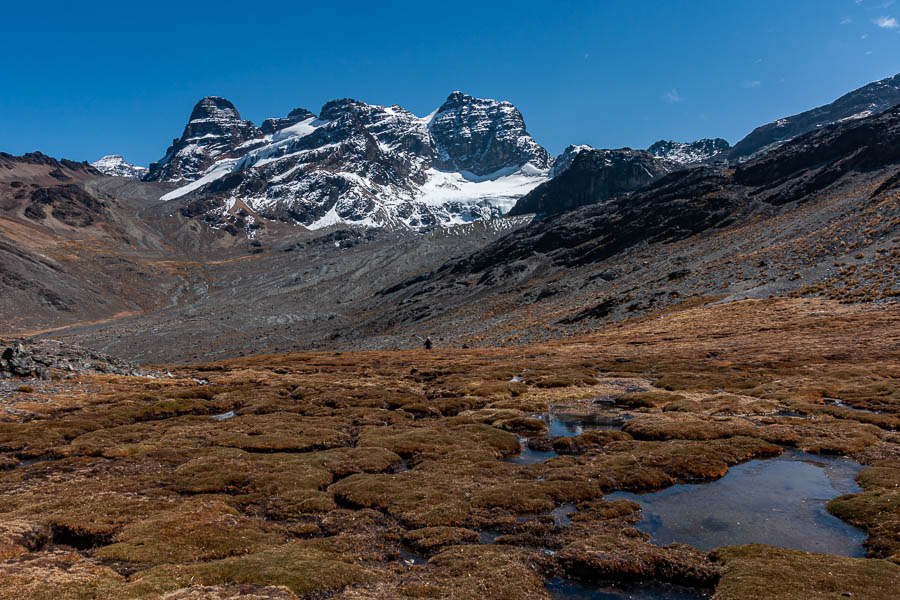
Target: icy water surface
[[564, 589], [778, 501]]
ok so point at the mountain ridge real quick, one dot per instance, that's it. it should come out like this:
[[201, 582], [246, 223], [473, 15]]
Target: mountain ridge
[[358, 163]]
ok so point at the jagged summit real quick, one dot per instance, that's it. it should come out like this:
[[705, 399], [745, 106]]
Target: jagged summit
[[215, 108], [482, 136], [116, 166], [357, 163], [214, 131]]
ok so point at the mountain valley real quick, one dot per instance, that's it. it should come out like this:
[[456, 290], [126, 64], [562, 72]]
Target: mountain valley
[[215, 381]]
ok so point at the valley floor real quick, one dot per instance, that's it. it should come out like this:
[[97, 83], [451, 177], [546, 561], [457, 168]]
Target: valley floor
[[446, 474]]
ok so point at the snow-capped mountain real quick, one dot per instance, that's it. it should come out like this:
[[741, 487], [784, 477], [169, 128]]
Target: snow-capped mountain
[[866, 101], [357, 163], [705, 151], [115, 165], [214, 131]]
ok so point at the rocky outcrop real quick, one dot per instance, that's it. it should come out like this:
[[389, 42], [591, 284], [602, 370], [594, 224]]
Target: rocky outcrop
[[270, 126], [116, 166], [705, 151], [16, 362], [591, 176], [38, 358], [866, 101], [215, 130], [69, 203]]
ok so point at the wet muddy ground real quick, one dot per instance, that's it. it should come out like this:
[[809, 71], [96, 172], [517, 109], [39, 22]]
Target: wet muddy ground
[[576, 470]]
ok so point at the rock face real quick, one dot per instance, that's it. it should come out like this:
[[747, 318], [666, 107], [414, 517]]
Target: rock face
[[16, 362], [215, 130], [585, 175], [357, 163], [482, 136], [866, 101], [705, 151], [116, 166]]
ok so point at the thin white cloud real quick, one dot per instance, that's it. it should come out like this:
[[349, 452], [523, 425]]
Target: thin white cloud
[[672, 96], [886, 22], [751, 84], [846, 21], [864, 36]]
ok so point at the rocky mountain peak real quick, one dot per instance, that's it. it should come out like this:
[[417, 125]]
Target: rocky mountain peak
[[335, 109], [564, 160], [482, 136], [215, 108], [458, 99], [214, 131], [116, 166]]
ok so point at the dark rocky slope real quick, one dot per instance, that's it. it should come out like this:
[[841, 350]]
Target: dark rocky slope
[[866, 101], [591, 176], [693, 200]]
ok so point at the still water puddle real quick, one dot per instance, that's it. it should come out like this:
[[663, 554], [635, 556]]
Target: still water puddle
[[527, 456], [566, 425], [778, 502], [565, 589]]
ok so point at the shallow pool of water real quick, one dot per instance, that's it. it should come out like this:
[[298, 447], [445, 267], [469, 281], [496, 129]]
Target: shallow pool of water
[[568, 425], [777, 501], [527, 456], [565, 589]]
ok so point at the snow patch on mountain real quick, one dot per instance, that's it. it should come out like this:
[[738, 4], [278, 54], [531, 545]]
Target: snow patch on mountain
[[705, 151]]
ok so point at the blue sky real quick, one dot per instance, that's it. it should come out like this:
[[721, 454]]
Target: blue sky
[[80, 80]]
